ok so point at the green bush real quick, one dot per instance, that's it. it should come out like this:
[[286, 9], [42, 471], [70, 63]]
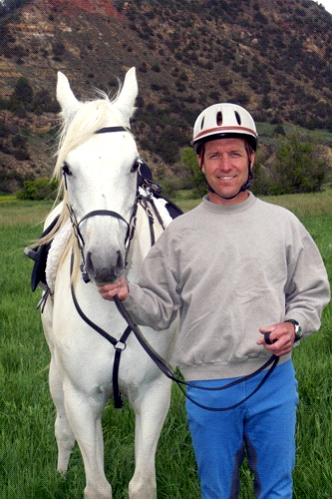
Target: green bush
[[22, 94], [39, 189], [196, 179], [301, 166], [262, 175]]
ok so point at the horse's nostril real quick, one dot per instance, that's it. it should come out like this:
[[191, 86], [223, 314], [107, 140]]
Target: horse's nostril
[[89, 263], [120, 260]]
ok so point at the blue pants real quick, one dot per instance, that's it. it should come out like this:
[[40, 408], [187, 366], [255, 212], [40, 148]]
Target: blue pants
[[264, 426]]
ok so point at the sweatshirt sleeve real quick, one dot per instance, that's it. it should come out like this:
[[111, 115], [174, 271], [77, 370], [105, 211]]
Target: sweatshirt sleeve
[[154, 300], [307, 288]]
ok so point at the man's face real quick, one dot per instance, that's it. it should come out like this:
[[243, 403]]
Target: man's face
[[225, 164]]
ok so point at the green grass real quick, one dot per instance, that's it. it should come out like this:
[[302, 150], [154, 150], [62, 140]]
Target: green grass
[[28, 451]]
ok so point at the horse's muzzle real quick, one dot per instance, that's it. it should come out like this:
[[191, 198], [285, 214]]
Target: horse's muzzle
[[102, 273]]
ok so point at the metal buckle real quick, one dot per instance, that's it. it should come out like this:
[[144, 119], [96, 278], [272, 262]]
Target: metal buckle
[[120, 346]]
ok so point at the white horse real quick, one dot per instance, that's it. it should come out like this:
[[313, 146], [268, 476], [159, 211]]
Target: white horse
[[98, 159]]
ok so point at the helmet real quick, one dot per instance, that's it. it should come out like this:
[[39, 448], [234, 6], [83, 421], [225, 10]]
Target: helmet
[[224, 120]]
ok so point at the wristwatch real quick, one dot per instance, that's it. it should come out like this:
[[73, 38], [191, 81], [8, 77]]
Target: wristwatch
[[298, 329]]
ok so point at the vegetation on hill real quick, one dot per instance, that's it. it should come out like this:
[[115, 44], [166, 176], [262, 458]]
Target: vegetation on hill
[[273, 58]]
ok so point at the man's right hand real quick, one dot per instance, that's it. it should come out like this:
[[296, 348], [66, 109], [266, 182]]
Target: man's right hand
[[108, 291]]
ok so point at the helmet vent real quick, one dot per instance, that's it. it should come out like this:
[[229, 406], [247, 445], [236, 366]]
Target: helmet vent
[[202, 123], [238, 118], [219, 118]]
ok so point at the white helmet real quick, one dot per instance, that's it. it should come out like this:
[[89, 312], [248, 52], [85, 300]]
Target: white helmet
[[224, 120]]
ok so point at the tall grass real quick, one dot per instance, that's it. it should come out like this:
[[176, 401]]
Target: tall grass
[[27, 445]]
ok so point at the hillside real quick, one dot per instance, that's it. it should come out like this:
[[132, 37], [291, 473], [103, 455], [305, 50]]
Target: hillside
[[272, 57]]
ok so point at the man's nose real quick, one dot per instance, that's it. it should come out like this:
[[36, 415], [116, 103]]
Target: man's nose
[[224, 163]]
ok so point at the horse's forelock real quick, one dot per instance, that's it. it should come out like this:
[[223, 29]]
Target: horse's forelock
[[91, 116]]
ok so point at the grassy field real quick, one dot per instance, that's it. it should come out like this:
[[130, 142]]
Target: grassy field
[[27, 444]]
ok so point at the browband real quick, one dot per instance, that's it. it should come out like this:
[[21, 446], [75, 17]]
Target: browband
[[111, 129]]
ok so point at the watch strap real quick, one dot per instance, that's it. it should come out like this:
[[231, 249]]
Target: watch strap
[[298, 329]]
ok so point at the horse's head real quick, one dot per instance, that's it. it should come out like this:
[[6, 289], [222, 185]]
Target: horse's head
[[98, 158]]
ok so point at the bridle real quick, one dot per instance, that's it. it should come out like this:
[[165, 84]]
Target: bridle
[[144, 201], [120, 344], [109, 213]]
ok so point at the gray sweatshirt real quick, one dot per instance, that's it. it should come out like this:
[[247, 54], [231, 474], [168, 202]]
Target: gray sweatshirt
[[230, 270]]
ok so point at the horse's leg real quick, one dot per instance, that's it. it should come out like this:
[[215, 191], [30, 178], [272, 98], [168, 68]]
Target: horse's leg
[[84, 414], [63, 432], [151, 408]]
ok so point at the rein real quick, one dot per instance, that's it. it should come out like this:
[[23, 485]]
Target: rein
[[167, 370], [120, 345]]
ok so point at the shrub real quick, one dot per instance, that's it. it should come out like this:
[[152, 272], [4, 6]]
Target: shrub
[[44, 102], [4, 130], [196, 178], [39, 189], [22, 94], [58, 49], [300, 167], [279, 130], [261, 183]]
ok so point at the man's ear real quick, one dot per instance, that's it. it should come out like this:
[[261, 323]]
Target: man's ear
[[252, 158], [200, 157], [200, 161]]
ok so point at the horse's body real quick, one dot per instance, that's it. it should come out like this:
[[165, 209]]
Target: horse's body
[[100, 175]]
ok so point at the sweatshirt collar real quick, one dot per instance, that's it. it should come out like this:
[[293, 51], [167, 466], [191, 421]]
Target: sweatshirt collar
[[229, 209]]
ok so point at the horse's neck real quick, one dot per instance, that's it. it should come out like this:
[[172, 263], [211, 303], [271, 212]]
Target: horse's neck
[[141, 242]]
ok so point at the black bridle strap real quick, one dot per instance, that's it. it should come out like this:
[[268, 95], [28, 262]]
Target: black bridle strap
[[105, 130], [85, 318], [144, 204], [103, 212], [273, 359], [119, 345], [167, 370]]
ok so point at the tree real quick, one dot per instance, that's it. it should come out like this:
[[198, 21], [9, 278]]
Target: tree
[[301, 167], [196, 178], [22, 94]]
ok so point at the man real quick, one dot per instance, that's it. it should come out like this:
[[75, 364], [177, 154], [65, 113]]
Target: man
[[236, 268]]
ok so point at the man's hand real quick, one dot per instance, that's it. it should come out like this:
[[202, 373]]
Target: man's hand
[[108, 291], [282, 335]]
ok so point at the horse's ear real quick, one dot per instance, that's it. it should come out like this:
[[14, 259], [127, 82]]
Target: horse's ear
[[126, 99], [65, 97]]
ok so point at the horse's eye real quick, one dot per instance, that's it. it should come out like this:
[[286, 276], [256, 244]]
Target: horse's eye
[[135, 165], [66, 169]]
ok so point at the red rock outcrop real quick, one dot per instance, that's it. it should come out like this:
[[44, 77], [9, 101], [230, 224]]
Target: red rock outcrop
[[104, 7]]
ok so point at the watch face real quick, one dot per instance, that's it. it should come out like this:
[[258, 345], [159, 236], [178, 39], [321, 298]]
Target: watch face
[[298, 332]]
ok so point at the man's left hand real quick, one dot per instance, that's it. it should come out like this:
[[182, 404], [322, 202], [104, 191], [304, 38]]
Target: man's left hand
[[282, 336]]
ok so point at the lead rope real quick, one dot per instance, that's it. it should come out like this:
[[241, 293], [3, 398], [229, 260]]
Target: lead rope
[[119, 345], [167, 370]]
